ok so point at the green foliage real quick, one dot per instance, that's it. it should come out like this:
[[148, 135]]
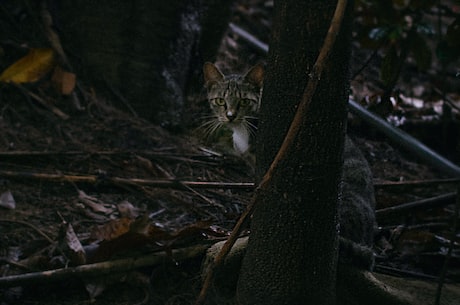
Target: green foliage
[[404, 28]]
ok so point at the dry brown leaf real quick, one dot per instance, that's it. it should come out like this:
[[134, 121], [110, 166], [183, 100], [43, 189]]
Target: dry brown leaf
[[95, 204], [30, 68], [63, 81], [126, 209], [112, 229], [75, 251]]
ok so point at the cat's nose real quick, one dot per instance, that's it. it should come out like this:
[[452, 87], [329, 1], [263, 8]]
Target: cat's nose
[[230, 115]]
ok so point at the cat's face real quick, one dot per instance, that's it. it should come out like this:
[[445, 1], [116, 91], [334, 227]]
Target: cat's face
[[233, 98]]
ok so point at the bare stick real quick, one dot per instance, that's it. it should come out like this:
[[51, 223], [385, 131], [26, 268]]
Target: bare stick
[[414, 183], [426, 203], [49, 239], [92, 179], [443, 273], [291, 135], [42, 102], [103, 268]]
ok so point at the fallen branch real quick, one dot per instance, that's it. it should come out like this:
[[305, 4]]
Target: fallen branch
[[208, 157], [93, 179], [42, 102], [25, 223], [426, 203], [443, 273], [101, 269], [414, 183], [405, 273]]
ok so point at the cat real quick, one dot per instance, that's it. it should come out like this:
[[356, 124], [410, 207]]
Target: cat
[[234, 99]]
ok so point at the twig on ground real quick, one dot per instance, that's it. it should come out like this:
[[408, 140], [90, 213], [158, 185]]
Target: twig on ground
[[160, 154], [443, 272], [426, 203], [43, 234], [103, 268], [58, 112], [422, 226], [395, 271], [414, 183], [92, 179]]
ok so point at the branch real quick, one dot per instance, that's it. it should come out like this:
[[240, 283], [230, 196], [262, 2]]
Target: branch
[[93, 179], [443, 273], [43, 234], [415, 183], [296, 124], [101, 269], [426, 203]]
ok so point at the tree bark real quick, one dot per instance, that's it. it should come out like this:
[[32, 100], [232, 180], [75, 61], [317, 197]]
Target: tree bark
[[292, 252], [145, 50]]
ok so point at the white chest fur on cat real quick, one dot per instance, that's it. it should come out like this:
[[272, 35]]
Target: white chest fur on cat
[[240, 138]]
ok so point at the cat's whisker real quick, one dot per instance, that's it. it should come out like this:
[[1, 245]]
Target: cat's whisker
[[252, 128], [208, 127], [206, 124], [207, 117], [203, 128], [211, 128]]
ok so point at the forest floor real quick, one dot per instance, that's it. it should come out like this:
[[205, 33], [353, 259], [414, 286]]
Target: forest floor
[[100, 184]]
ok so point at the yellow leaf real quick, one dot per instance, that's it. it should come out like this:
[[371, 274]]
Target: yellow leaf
[[30, 68]]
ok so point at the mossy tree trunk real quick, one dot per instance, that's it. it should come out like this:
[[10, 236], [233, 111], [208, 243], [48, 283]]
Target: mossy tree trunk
[[292, 252]]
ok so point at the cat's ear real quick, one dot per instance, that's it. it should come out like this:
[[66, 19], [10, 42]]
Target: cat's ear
[[212, 74], [255, 75]]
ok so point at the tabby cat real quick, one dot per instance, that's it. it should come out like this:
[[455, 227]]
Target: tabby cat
[[235, 99]]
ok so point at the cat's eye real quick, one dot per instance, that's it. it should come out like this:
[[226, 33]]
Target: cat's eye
[[245, 102], [219, 101]]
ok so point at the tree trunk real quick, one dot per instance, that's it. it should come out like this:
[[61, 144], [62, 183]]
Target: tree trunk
[[146, 50], [292, 252]]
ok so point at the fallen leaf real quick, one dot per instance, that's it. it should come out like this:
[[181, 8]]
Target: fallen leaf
[[111, 229], [7, 200], [92, 202], [71, 245], [30, 68], [126, 209], [63, 81]]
